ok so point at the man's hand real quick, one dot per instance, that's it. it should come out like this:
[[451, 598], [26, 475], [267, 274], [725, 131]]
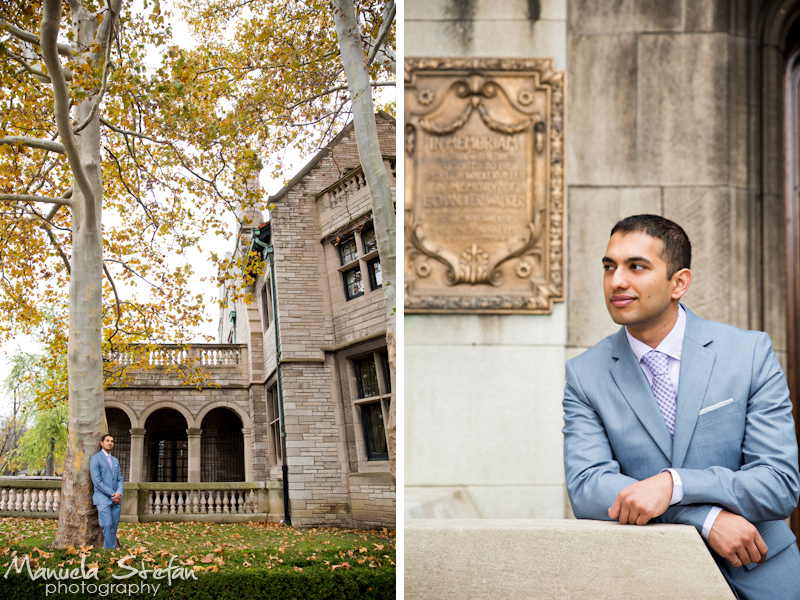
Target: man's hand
[[643, 500], [116, 497], [735, 538]]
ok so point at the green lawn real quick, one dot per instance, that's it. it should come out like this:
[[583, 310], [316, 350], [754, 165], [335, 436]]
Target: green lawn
[[204, 560]]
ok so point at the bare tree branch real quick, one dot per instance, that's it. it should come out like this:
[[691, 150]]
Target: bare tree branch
[[25, 65], [329, 91], [388, 19], [51, 22], [29, 198], [48, 145], [57, 246], [32, 38], [116, 298], [57, 207], [131, 133]]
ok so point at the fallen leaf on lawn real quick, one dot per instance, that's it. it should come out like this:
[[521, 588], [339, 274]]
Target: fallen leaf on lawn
[[378, 546], [246, 564], [219, 550], [207, 558], [362, 550]]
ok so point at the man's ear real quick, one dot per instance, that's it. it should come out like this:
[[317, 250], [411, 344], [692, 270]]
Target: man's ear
[[680, 283]]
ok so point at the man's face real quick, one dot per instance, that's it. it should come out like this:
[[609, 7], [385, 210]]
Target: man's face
[[638, 293], [107, 444]]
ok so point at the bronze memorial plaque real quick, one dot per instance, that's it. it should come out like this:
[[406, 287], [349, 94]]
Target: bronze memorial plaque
[[484, 185]]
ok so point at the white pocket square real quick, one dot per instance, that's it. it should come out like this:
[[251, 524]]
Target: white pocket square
[[708, 409]]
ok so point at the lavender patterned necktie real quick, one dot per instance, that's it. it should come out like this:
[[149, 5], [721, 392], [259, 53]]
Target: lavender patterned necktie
[[662, 386]]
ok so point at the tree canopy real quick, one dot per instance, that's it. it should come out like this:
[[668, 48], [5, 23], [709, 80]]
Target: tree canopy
[[119, 151]]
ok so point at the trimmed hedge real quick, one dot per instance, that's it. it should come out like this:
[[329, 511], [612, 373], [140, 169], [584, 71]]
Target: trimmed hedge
[[252, 584]]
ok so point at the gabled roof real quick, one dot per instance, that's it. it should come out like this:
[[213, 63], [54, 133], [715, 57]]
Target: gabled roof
[[319, 156]]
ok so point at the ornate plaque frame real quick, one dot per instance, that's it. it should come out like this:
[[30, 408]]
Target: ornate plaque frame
[[484, 185]]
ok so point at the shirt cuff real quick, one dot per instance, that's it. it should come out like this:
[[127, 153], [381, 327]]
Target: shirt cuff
[[709, 522], [677, 487]]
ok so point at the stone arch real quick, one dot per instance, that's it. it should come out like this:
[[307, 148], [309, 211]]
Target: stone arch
[[244, 416], [126, 409], [166, 445], [151, 408], [222, 452], [119, 426]]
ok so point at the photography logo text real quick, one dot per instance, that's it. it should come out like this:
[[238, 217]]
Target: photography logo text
[[86, 580]]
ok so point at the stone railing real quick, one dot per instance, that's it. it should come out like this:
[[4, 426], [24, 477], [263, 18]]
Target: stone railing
[[355, 182], [167, 355], [220, 502], [224, 502], [350, 186], [171, 365], [451, 559], [30, 497]]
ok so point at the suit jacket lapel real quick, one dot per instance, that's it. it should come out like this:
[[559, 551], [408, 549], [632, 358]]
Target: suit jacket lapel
[[633, 385], [697, 361]]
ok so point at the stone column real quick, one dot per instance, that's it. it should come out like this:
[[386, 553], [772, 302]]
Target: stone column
[[194, 454], [137, 454], [248, 453]]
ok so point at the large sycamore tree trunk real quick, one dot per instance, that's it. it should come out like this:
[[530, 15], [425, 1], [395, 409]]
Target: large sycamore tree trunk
[[369, 152], [77, 522]]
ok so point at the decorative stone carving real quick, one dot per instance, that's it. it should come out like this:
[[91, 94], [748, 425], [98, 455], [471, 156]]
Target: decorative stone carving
[[484, 192]]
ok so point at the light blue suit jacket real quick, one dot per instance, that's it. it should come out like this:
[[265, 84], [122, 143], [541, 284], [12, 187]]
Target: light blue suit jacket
[[107, 481], [734, 443]]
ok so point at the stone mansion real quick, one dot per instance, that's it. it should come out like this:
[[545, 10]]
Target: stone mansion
[[311, 345]]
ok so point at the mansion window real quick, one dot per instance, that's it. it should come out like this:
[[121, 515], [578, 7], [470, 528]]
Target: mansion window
[[266, 304], [353, 283], [359, 255], [374, 392], [275, 447]]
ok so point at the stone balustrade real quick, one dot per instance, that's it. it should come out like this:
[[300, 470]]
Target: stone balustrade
[[350, 186], [166, 355], [355, 183], [451, 559], [28, 497], [226, 502], [171, 365]]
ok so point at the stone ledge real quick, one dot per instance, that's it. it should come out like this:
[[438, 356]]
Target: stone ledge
[[557, 560]]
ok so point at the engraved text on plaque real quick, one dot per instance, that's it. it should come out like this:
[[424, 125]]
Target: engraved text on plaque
[[484, 185]]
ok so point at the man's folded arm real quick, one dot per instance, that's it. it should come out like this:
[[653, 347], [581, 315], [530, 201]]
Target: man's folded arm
[[593, 476], [97, 479], [767, 485]]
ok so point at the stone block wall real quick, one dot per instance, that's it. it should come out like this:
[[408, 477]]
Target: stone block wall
[[372, 499], [258, 417], [483, 392], [658, 124], [317, 489]]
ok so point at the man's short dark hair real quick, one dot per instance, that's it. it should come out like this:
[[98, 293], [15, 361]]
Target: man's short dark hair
[[103, 439], [677, 252]]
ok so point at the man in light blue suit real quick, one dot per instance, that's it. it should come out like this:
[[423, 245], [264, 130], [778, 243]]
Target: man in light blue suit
[[107, 496], [675, 419]]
